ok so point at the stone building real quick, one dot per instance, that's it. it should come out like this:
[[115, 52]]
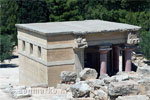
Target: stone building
[[46, 49]]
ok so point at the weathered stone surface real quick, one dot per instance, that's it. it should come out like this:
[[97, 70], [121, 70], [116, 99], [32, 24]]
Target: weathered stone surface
[[121, 77], [123, 88], [148, 93], [77, 27], [80, 89], [39, 85], [144, 70], [19, 96], [103, 76], [144, 85], [68, 76], [108, 80], [134, 76], [99, 95], [134, 97], [63, 86], [88, 73], [95, 83]]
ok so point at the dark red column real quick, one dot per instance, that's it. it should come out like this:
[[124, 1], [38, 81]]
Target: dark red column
[[103, 61], [127, 59], [116, 53]]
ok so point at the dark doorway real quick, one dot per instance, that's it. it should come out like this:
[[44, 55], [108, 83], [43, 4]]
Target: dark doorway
[[92, 58]]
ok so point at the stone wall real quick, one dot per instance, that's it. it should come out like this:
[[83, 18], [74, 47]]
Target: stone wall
[[56, 55], [31, 72]]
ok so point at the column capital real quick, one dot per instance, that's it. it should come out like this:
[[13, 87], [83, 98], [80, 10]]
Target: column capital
[[104, 49]]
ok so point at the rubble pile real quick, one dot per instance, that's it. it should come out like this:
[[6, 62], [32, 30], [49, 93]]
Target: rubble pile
[[122, 86]]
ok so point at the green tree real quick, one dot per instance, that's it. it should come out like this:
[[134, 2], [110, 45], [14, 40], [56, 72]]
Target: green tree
[[64, 10], [145, 44], [6, 47], [8, 15], [32, 11]]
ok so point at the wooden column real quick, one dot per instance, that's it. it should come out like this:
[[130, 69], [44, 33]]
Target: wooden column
[[127, 63], [103, 60]]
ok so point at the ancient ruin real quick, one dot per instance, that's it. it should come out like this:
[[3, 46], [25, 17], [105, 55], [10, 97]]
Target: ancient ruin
[[47, 49]]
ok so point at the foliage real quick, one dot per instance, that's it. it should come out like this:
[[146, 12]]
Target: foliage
[[135, 12], [32, 11], [145, 44], [21, 11], [8, 15], [64, 10], [6, 47]]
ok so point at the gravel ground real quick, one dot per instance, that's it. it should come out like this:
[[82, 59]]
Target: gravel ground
[[9, 74]]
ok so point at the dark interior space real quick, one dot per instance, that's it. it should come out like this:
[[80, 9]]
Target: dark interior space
[[92, 58]]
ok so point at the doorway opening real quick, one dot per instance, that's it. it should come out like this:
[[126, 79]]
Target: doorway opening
[[92, 59]]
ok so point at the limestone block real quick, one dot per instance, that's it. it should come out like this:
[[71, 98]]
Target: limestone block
[[144, 85], [144, 70], [123, 88], [88, 73], [55, 71], [108, 80], [68, 76], [99, 95], [31, 72], [19, 96], [61, 39], [80, 89], [103, 76], [60, 54], [121, 77], [95, 83]]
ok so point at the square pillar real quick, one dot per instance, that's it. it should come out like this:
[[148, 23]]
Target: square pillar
[[103, 59], [79, 60]]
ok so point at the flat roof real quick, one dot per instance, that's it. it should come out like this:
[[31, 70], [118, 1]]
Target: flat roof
[[77, 27]]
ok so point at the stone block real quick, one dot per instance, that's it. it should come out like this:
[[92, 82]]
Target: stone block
[[80, 89], [68, 76], [88, 73], [123, 88]]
